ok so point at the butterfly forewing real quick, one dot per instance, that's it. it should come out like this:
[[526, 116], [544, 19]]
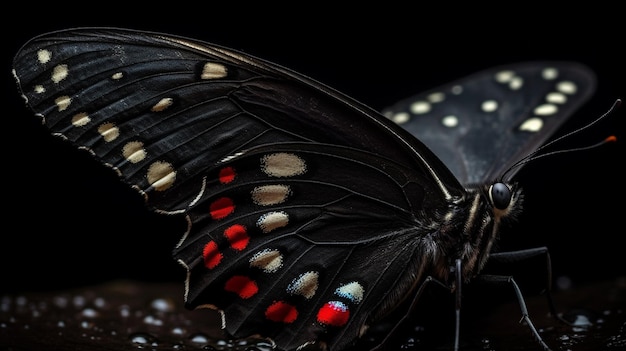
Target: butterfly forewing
[[304, 206], [480, 125]]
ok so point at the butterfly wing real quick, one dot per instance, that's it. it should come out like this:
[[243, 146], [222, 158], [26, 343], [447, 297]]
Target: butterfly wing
[[302, 203], [480, 125]]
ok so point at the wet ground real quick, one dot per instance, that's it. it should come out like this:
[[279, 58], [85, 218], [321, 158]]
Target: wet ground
[[128, 315]]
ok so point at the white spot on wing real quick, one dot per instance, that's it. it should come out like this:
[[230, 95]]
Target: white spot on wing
[[436, 97], [450, 121], [213, 70], [504, 76], [39, 89], [272, 221], [305, 285], [44, 56], [516, 83], [80, 119], [268, 195], [282, 165], [63, 102], [556, 98], [118, 75], [161, 175], [489, 105], [109, 131], [269, 260], [567, 87], [546, 109], [400, 117], [457, 90], [59, 73], [352, 291], [134, 151], [420, 107], [533, 124], [549, 73], [162, 104]]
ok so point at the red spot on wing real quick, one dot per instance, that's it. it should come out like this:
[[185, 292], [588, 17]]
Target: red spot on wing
[[334, 313], [281, 311], [237, 236], [227, 175], [221, 208], [211, 254], [242, 286]]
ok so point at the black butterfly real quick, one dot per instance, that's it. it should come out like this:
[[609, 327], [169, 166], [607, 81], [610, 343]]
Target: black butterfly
[[310, 216]]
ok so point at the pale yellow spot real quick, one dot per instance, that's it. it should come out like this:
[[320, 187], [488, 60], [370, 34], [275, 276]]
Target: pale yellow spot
[[456, 90], [63, 102], [162, 104], [436, 97], [268, 260], [504, 76], [352, 291], [109, 131], [80, 119], [420, 107], [44, 56], [556, 98], [450, 121], [272, 221], [118, 75], [161, 175], [268, 195], [134, 151], [489, 105], [59, 73], [282, 165], [39, 89], [213, 71], [305, 285], [401, 117], [567, 87], [516, 83], [546, 109], [533, 124], [549, 73]]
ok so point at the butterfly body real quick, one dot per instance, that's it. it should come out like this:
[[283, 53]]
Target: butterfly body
[[310, 215]]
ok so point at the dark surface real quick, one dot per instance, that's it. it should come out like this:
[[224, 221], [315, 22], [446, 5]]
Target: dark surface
[[69, 224]]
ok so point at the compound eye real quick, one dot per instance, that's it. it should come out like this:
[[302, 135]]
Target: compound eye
[[500, 195]]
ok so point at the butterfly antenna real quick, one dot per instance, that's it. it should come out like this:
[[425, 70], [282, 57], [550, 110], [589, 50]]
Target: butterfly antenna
[[534, 155]]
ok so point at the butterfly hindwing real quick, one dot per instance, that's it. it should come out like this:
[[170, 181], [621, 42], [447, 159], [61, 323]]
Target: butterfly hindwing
[[481, 124]]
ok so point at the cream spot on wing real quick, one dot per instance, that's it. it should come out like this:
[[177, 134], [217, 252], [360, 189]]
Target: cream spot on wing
[[267, 195], [489, 105], [109, 131], [63, 102], [118, 75], [504, 76], [39, 89], [161, 175], [533, 124], [567, 87], [353, 291], [436, 97], [456, 90], [420, 107], [305, 285], [162, 104], [59, 73], [272, 221], [450, 121], [400, 117], [549, 73], [213, 70], [516, 83], [282, 165], [44, 56], [134, 152], [80, 119], [556, 98], [546, 109], [269, 260]]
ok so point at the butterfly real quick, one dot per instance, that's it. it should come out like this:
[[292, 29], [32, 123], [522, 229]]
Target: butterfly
[[310, 216]]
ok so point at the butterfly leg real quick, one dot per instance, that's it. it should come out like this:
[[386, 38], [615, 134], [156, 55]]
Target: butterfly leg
[[427, 282], [499, 279], [522, 255]]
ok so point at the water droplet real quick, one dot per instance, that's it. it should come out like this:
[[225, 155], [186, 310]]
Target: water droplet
[[78, 301], [178, 331], [162, 305], [61, 324], [143, 339], [152, 321], [90, 313], [99, 302], [199, 338]]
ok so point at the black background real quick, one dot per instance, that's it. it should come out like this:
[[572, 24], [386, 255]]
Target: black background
[[68, 222]]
